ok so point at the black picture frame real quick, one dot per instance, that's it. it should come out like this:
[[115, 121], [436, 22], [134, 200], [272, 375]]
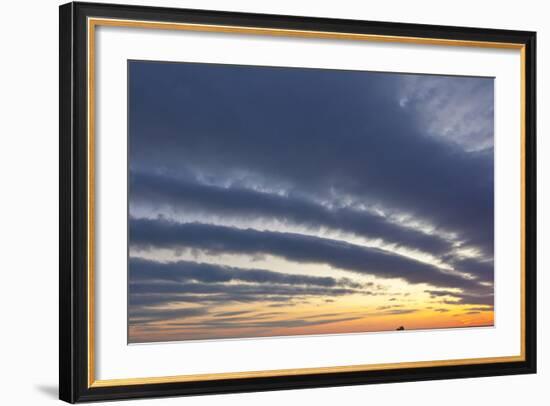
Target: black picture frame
[[74, 385]]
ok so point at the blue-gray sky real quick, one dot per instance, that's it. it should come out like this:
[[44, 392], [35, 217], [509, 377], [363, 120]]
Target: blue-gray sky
[[285, 188]]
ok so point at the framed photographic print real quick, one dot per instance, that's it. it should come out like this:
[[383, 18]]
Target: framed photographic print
[[257, 202]]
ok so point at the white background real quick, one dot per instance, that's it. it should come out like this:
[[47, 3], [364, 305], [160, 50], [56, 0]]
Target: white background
[[29, 221], [115, 359]]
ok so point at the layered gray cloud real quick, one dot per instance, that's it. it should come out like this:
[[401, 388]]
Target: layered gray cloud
[[155, 285], [150, 234], [237, 290], [164, 193], [185, 271]]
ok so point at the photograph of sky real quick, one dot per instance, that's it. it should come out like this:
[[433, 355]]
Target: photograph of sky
[[273, 201]]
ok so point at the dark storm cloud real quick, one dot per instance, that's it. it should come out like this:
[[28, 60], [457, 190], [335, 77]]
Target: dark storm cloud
[[185, 195], [142, 270], [323, 134], [147, 234]]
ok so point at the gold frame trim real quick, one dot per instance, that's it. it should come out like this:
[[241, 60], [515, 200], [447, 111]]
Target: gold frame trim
[[94, 22]]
